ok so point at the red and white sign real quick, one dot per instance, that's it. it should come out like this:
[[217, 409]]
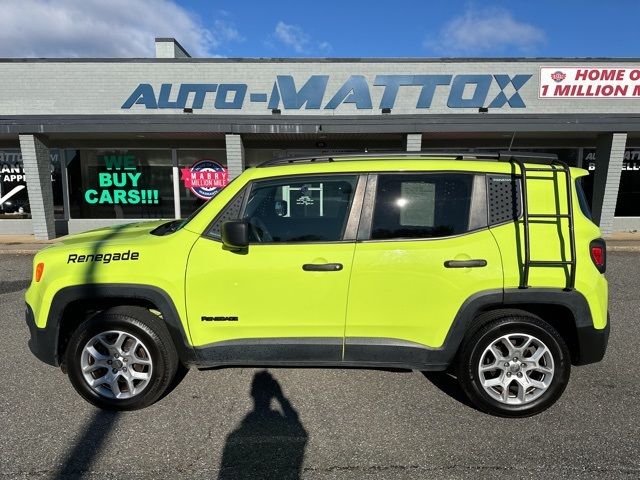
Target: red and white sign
[[205, 178], [589, 82]]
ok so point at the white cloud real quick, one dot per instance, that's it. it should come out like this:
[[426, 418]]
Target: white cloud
[[296, 38], [226, 32], [489, 31], [97, 28], [292, 36], [325, 47]]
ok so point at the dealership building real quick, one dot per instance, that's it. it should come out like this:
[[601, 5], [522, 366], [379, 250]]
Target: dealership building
[[86, 143]]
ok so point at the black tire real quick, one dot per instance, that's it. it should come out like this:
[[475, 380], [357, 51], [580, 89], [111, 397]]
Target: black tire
[[493, 326], [145, 326]]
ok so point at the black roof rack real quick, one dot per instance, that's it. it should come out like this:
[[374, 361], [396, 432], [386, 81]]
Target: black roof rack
[[529, 157], [541, 158]]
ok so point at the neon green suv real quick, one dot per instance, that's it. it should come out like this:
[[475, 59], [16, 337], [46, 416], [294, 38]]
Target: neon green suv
[[486, 266]]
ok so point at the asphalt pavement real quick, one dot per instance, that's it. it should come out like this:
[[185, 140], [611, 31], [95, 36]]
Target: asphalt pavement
[[319, 423]]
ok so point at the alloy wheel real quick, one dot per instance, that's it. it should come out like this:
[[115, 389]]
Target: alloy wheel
[[116, 364], [516, 369]]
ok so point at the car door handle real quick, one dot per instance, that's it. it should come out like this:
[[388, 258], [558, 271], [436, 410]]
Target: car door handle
[[322, 267], [465, 263]]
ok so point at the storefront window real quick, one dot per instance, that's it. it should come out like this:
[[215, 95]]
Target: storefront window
[[120, 184], [628, 204], [14, 197], [203, 173]]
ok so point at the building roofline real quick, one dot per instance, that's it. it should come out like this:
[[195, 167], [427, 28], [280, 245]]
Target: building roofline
[[364, 60], [176, 123]]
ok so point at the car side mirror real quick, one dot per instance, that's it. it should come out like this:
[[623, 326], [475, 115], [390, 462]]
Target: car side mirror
[[235, 234]]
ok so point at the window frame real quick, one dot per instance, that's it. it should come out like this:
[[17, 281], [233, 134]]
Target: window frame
[[477, 208], [350, 228]]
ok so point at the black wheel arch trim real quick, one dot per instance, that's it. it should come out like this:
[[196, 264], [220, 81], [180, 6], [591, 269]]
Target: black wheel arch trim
[[592, 342], [375, 351], [44, 341]]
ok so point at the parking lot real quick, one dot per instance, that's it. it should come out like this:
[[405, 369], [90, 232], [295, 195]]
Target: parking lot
[[319, 423]]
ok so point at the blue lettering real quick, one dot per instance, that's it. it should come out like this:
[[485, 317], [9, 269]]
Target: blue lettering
[[200, 91], [393, 82], [355, 90], [142, 95], [239, 91], [456, 96], [163, 99], [310, 94], [429, 84], [258, 97], [274, 99], [467, 91], [515, 101]]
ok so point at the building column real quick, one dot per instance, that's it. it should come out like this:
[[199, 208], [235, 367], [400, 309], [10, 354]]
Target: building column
[[414, 142], [235, 155], [176, 183], [606, 181], [37, 169]]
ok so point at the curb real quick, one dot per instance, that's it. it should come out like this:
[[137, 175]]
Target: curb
[[22, 251], [623, 248]]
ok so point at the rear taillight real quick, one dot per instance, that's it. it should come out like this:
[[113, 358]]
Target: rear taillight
[[598, 250], [39, 271]]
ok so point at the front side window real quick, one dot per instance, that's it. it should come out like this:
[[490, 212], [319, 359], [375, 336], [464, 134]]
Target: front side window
[[302, 209], [422, 205]]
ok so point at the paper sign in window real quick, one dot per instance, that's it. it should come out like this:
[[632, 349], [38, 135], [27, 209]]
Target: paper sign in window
[[417, 204]]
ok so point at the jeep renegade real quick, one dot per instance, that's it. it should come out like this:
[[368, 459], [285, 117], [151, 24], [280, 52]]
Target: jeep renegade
[[479, 265]]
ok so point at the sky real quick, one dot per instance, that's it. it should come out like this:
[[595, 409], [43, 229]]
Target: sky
[[283, 28]]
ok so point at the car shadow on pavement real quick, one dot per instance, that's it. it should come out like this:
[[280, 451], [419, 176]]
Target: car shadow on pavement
[[447, 383], [80, 458], [11, 286], [268, 443]]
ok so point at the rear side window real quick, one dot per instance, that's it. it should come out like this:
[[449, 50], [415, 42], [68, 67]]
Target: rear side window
[[582, 200], [422, 205], [504, 198]]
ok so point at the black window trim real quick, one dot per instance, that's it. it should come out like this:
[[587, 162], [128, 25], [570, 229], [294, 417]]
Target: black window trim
[[583, 203], [207, 231], [350, 228], [366, 217]]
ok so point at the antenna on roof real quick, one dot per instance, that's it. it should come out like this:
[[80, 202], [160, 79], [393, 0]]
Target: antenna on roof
[[512, 138]]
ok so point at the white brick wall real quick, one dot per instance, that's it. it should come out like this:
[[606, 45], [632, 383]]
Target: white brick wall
[[235, 155], [414, 142], [101, 87], [612, 186]]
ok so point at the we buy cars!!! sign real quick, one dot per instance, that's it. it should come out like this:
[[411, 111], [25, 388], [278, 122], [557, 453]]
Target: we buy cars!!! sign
[[589, 82]]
